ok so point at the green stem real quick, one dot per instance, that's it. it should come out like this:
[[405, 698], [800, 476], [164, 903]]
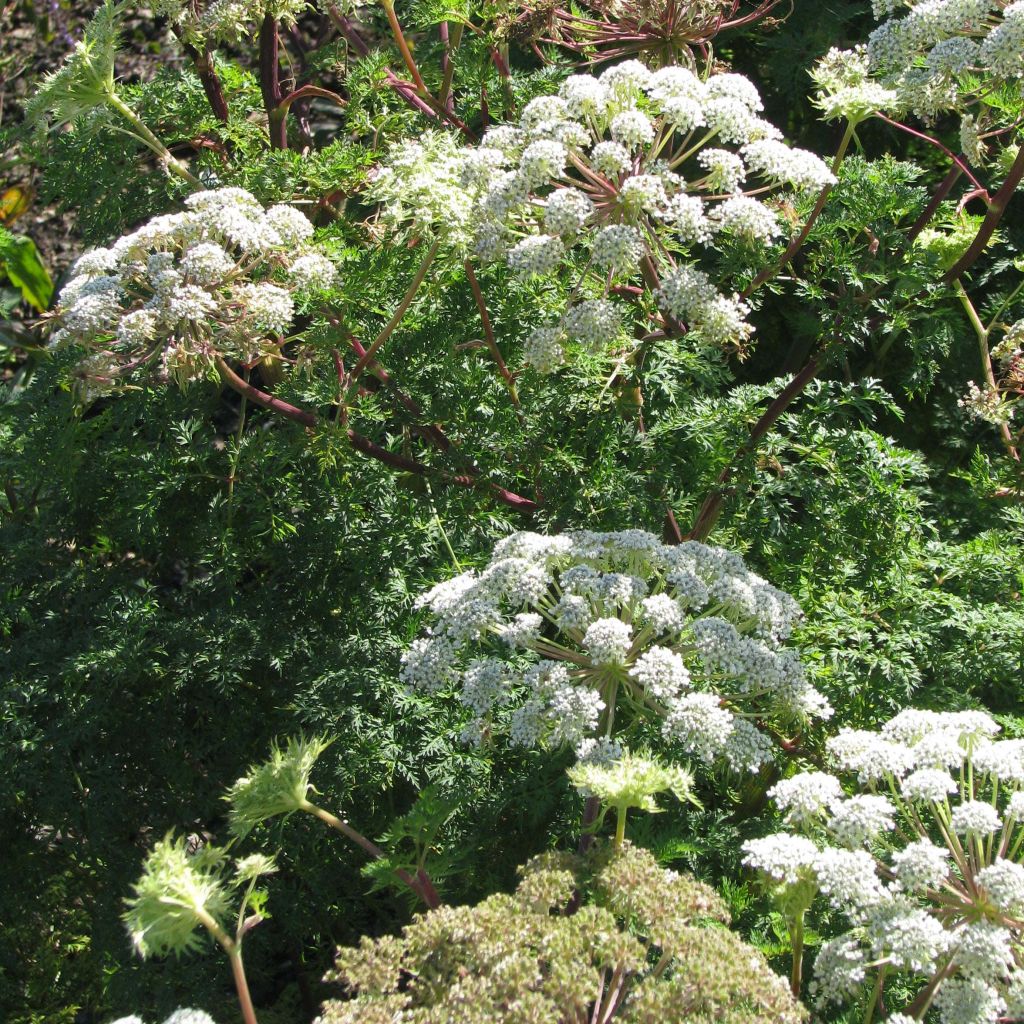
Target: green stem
[[455, 41], [620, 826], [242, 985], [396, 319], [443, 532], [344, 828], [796, 939], [233, 949], [148, 139], [876, 995], [236, 456], [680, 158], [1002, 306], [981, 332], [422, 887]]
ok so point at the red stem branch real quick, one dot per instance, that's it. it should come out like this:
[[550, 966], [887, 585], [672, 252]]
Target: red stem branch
[[996, 208], [270, 83], [934, 142], [711, 508], [203, 61], [365, 445], [408, 91], [403, 46], [941, 192], [492, 344], [305, 91]]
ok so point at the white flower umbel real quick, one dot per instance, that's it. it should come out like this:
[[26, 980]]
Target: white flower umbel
[[929, 56], [594, 631], [215, 280], [921, 865], [861, 819], [782, 857], [807, 796], [931, 878], [633, 172]]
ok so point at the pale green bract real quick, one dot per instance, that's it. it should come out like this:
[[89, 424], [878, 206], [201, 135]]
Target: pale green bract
[[278, 786], [178, 892]]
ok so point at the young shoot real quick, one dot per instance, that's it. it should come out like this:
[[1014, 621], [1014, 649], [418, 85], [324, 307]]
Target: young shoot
[[183, 891], [86, 82], [632, 780], [281, 786]]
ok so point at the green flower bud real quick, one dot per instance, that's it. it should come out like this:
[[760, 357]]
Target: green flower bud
[[252, 867], [950, 241], [633, 780], [177, 892], [278, 786]]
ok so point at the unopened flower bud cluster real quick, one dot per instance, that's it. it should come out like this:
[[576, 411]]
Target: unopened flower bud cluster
[[630, 174], [560, 637], [217, 279], [924, 861], [641, 943]]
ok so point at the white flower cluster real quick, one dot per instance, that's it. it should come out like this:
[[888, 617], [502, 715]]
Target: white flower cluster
[[421, 182], [226, 20], [560, 638], [925, 863], [846, 88], [986, 404], [615, 173], [186, 1016], [218, 278], [928, 59], [997, 403]]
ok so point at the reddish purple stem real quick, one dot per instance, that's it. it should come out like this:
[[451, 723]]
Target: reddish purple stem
[[364, 444], [270, 83], [934, 142], [996, 208]]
